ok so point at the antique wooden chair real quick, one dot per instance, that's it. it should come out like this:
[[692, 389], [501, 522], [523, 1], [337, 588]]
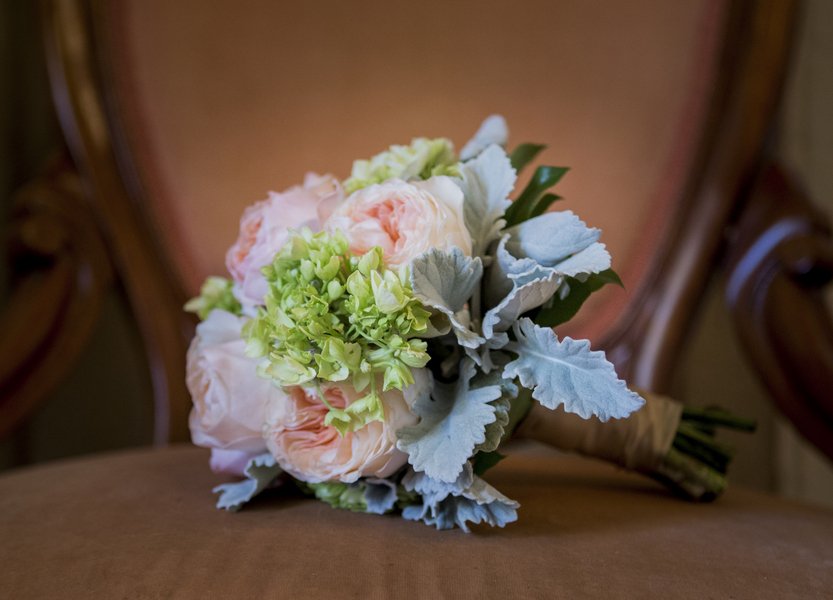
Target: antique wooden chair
[[177, 115]]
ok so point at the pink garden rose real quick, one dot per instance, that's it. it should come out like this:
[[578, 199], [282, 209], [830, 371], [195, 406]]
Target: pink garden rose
[[264, 230], [231, 462], [229, 397], [313, 452], [404, 219]]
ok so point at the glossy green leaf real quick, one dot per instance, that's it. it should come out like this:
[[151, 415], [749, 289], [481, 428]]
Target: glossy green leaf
[[525, 154], [543, 204], [543, 179], [483, 461], [559, 311]]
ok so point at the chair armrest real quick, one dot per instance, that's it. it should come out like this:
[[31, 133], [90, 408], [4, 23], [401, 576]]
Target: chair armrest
[[60, 272], [780, 260]]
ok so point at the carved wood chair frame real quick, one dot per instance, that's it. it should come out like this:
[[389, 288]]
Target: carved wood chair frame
[[85, 221]]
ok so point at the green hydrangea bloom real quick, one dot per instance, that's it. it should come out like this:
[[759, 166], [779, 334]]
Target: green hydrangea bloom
[[338, 495], [351, 496], [422, 159], [335, 317], [214, 293]]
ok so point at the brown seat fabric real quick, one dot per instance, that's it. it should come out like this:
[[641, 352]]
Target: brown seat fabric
[[142, 524]]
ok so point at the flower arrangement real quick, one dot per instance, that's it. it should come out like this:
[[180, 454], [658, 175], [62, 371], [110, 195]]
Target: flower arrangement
[[381, 336]]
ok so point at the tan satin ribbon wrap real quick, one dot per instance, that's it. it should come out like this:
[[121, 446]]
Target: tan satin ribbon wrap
[[639, 442]]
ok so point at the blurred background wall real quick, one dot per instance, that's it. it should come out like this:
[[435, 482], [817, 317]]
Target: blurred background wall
[[104, 403]]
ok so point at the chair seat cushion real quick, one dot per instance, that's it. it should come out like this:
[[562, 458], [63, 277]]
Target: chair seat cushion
[[142, 524]]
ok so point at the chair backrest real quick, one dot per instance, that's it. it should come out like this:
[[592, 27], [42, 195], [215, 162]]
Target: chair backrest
[[180, 114], [220, 103]]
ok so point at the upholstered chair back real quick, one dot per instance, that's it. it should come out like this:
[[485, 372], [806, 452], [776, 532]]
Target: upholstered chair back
[[178, 115], [222, 101]]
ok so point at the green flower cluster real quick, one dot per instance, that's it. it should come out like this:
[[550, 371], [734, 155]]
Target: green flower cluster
[[423, 159], [338, 495], [332, 316], [352, 496], [214, 293]]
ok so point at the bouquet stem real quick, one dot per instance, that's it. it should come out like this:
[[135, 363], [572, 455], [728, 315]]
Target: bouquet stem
[[664, 440]]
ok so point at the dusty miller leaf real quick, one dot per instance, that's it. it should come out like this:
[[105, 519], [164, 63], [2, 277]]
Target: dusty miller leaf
[[567, 372], [261, 472], [468, 499], [531, 294], [486, 182], [493, 130], [445, 281], [593, 259], [508, 272], [550, 238], [482, 355], [435, 490], [453, 421], [509, 391], [379, 495]]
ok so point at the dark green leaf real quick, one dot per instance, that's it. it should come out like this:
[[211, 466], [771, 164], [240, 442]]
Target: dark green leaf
[[608, 276], [543, 204], [483, 461], [524, 154], [543, 179], [558, 311]]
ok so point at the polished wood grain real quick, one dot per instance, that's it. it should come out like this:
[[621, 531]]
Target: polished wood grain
[[647, 346], [154, 295], [60, 272], [781, 259]]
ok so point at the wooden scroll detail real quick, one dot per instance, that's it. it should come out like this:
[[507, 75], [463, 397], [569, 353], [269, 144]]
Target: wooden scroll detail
[[648, 344], [155, 297], [60, 274], [781, 258]]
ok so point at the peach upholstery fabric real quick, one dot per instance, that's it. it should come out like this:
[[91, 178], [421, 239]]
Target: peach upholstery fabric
[[222, 101], [142, 524]]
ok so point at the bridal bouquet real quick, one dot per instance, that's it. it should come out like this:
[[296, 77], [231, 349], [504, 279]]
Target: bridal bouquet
[[381, 336]]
